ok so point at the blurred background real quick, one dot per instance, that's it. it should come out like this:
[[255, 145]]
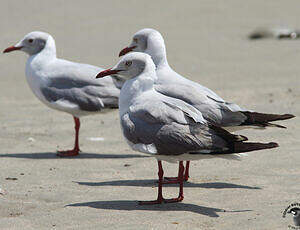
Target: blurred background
[[206, 40]]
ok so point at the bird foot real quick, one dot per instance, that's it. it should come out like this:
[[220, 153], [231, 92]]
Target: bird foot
[[151, 202], [173, 180], [159, 201], [68, 153], [170, 180], [174, 200]]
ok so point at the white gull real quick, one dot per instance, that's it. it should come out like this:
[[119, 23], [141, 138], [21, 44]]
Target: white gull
[[63, 85], [213, 108], [168, 128]]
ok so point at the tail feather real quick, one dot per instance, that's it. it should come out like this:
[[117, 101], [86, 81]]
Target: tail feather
[[263, 119]]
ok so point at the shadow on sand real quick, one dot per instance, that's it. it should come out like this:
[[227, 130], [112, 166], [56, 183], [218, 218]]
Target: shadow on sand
[[132, 205], [49, 155], [150, 183]]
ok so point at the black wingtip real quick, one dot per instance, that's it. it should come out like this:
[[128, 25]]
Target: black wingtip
[[288, 116], [275, 125], [243, 138], [241, 147], [263, 119], [273, 144]]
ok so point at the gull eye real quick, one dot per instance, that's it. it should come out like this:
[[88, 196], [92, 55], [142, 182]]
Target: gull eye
[[128, 63], [135, 40], [30, 40]]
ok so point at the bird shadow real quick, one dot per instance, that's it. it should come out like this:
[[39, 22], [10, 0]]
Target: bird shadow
[[49, 155], [132, 205], [151, 183]]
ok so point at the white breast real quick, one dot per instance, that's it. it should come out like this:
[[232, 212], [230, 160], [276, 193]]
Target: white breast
[[34, 77]]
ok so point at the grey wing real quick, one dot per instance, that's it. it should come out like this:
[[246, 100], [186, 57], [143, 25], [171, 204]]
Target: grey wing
[[169, 135], [165, 109], [218, 112], [74, 96], [76, 83]]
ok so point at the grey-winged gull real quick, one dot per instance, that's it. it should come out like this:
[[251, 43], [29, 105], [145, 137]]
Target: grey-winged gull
[[166, 127], [213, 108], [63, 85]]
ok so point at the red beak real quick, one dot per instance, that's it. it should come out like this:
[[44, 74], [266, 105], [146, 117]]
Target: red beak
[[106, 73], [12, 48], [126, 50]]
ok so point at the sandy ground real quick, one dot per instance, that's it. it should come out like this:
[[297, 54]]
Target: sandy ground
[[206, 40]]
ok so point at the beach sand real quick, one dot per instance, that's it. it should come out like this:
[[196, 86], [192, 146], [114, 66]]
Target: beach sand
[[206, 42]]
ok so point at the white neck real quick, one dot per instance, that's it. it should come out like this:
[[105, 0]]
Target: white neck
[[159, 56], [157, 50], [50, 48], [134, 87]]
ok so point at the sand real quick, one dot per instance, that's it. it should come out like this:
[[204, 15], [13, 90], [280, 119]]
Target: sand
[[207, 42]]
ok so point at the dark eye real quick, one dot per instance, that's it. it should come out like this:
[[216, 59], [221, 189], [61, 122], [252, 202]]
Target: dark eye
[[135, 40], [128, 63], [30, 40]]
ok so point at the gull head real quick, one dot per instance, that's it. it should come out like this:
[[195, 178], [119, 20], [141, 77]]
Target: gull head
[[147, 41], [130, 66], [31, 44]]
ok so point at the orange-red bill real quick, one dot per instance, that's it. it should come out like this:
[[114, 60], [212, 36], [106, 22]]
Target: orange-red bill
[[12, 48], [106, 73], [126, 50]]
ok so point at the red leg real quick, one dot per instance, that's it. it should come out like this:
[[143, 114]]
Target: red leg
[[160, 198], [175, 180], [187, 173], [75, 151], [181, 179]]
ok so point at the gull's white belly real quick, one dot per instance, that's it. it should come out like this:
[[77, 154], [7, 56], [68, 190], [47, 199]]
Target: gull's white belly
[[36, 82]]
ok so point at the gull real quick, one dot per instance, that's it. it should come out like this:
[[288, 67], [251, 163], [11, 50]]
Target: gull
[[168, 128], [63, 85], [213, 108]]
